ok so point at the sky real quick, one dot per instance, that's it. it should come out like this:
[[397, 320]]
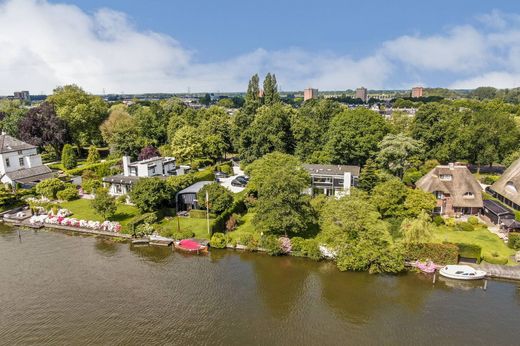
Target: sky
[[124, 46]]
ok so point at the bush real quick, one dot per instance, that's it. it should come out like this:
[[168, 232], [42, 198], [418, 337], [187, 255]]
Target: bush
[[473, 220], [219, 224], [464, 227], [271, 244], [121, 199], [68, 194], [101, 169], [249, 241], [219, 197], [93, 155], [68, 157], [297, 245], [218, 241], [438, 220], [50, 187], [200, 163], [144, 229], [489, 179], [104, 204], [151, 194], [226, 167], [514, 241], [311, 249], [495, 258], [90, 185], [438, 253], [470, 251], [450, 222]]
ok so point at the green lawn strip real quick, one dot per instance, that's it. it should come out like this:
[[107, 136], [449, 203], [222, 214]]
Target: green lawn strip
[[196, 225], [245, 225], [82, 210], [488, 241]]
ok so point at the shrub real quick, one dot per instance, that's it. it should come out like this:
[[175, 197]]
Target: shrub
[[473, 220], [438, 253], [470, 251], [93, 155], [101, 169], [285, 245], [226, 167], [90, 185], [514, 241], [197, 214], [297, 244], [438, 220], [68, 157], [121, 199], [464, 227], [489, 179], [450, 222], [68, 194], [144, 229], [311, 249], [218, 241], [50, 187], [495, 258], [271, 244], [231, 223], [219, 224], [249, 241], [219, 198], [104, 204]]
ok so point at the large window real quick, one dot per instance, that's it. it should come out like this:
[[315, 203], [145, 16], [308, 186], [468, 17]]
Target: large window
[[469, 195], [21, 161], [7, 163]]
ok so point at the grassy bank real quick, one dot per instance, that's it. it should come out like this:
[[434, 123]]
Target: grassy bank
[[198, 226]]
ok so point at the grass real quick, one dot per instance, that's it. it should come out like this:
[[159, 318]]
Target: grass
[[245, 225], [489, 242], [198, 226], [82, 210]]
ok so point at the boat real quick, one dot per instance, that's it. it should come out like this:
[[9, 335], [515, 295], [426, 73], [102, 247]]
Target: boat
[[462, 272], [190, 246], [426, 267], [160, 241]]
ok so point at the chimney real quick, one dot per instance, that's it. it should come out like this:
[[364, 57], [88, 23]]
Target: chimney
[[451, 165], [126, 169]]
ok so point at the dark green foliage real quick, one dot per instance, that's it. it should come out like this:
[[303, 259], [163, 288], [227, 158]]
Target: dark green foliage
[[271, 244], [271, 95], [7, 197], [218, 241], [68, 157], [101, 169], [219, 198], [151, 194], [306, 248], [438, 253], [470, 251], [464, 226], [68, 194], [411, 175], [369, 177], [389, 197], [93, 155], [104, 204], [50, 187], [514, 241], [148, 218], [219, 224], [438, 220]]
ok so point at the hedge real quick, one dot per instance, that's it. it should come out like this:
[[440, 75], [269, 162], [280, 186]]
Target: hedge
[[439, 253], [226, 167], [470, 251], [219, 224], [148, 218], [495, 259], [99, 167], [514, 241]]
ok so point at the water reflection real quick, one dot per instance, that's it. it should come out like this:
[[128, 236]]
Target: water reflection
[[156, 254], [106, 247]]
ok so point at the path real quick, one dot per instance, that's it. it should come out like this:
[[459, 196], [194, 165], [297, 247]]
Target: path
[[499, 271]]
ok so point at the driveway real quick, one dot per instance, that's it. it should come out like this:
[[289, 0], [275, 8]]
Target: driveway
[[226, 182]]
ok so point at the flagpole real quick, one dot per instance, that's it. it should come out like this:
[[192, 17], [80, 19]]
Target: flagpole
[[207, 211]]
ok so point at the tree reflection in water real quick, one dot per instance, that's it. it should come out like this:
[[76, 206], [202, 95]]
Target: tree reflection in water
[[156, 254], [106, 247]]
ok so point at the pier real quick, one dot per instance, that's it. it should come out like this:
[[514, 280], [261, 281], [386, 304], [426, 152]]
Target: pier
[[497, 271]]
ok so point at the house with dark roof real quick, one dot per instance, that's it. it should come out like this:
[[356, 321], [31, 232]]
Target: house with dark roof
[[161, 167], [456, 189], [332, 180], [507, 188], [186, 199], [20, 163]]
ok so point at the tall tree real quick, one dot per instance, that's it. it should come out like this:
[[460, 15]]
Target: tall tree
[[41, 126], [417, 230], [68, 157], [187, 144], [104, 204], [271, 95], [398, 153], [11, 114], [389, 196], [369, 177], [253, 90]]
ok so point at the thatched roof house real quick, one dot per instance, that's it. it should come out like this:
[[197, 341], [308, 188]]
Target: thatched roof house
[[456, 189], [507, 188]]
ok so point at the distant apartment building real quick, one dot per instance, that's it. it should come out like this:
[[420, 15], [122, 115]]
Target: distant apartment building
[[417, 91], [22, 95], [310, 93], [362, 93]]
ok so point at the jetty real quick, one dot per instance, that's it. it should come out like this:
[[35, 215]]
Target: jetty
[[497, 271]]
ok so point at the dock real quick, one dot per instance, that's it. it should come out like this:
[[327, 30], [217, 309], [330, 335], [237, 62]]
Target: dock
[[497, 271]]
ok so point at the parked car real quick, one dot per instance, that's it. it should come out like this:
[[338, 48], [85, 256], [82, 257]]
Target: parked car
[[220, 175], [238, 182], [243, 179]]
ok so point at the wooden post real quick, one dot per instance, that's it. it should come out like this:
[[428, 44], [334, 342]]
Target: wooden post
[[485, 285], [434, 278]]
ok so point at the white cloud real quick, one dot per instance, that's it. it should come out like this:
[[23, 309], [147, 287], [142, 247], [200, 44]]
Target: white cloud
[[45, 45]]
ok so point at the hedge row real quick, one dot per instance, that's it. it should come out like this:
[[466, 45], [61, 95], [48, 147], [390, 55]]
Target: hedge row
[[148, 218], [495, 259], [470, 251], [219, 224], [99, 167], [514, 241], [438, 253]]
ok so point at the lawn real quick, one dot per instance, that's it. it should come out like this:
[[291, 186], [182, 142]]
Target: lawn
[[481, 236], [82, 210], [245, 225], [196, 225]]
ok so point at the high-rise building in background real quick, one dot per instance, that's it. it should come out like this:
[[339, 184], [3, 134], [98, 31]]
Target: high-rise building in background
[[22, 95], [417, 91], [310, 93], [362, 93]]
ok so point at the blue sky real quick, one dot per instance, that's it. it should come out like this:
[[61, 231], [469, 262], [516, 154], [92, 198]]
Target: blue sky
[[147, 46]]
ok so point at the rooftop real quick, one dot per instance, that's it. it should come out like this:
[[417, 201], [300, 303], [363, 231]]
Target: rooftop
[[496, 208], [195, 188], [332, 169], [10, 144]]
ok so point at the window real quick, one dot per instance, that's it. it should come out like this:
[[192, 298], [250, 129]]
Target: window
[[20, 152], [7, 163], [439, 194], [469, 195], [446, 177], [21, 161], [511, 186]]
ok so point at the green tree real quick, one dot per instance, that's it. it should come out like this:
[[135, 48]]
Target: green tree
[[205, 100], [369, 176], [398, 153], [253, 90], [11, 114], [93, 155], [219, 197], [82, 112], [389, 196], [68, 157], [226, 103], [151, 124], [271, 95], [354, 136], [417, 230], [187, 144], [419, 201], [151, 194], [104, 204], [279, 180], [50, 187]]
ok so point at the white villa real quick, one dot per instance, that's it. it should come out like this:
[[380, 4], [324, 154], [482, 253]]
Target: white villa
[[161, 167], [20, 163]]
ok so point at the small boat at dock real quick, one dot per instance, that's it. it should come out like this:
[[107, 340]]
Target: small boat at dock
[[462, 272], [426, 267], [190, 246]]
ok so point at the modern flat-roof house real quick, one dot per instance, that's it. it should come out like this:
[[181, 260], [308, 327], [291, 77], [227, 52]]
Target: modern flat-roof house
[[456, 189], [20, 163], [161, 167], [332, 180], [187, 199], [507, 188]]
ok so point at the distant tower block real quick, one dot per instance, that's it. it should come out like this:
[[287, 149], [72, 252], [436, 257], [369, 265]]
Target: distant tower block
[[310, 93], [417, 91], [362, 93]]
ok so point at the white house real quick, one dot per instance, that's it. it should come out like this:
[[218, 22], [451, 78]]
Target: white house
[[332, 180], [162, 167], [20, 163]]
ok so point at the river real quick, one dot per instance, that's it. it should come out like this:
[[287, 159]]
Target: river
[[63, 289]]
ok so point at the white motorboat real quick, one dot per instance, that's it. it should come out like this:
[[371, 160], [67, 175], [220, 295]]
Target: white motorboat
[[462, 272]]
